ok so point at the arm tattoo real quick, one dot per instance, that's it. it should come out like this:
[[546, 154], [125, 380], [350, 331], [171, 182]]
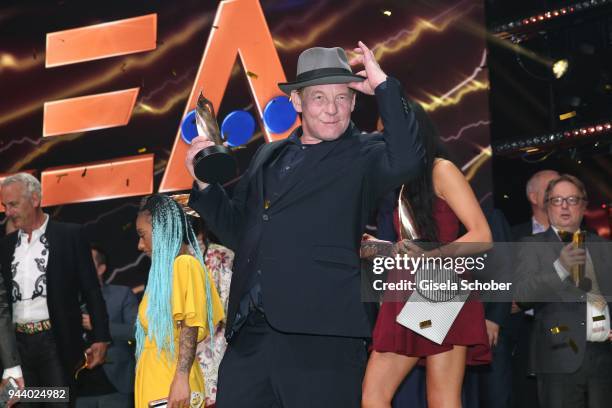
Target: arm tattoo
[[372, 249], [187, 348]]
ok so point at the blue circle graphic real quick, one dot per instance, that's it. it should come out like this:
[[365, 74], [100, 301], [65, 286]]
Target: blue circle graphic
[[189, 129], [279, 114], [238, 128]]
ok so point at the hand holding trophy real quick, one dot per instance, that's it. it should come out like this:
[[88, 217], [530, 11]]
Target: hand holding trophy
[[208, 159]]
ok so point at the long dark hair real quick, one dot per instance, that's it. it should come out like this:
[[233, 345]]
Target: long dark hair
[[420, 191]]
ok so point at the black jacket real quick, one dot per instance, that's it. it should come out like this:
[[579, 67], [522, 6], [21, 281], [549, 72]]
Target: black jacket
[[70, 276], [9, 356], [309, 236]]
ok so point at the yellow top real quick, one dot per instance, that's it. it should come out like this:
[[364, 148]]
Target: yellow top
[[155, 372]]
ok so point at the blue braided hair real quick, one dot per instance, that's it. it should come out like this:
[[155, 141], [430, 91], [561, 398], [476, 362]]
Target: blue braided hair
[[169, 230]]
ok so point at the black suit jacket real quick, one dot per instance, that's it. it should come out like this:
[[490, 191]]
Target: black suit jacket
[[523, 230], [498, 312], [9, 356], [560, 303], [70, 277], [122, 308], [309, 236]]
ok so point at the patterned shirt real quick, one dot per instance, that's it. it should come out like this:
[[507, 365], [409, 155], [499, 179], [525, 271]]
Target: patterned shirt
[[29, 271]]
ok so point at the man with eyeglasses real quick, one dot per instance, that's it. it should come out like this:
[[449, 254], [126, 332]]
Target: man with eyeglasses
[[571, 349]]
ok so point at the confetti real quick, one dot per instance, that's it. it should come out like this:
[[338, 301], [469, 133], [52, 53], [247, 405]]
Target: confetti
[[558, 329], [252, 74]]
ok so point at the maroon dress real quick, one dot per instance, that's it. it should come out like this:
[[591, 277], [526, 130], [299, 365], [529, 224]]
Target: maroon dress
[[467, 330]]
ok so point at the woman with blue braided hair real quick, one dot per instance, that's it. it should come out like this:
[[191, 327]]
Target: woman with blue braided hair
[[180, 307]]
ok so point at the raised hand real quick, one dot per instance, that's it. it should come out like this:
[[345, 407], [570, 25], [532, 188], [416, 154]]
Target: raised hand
[[570, 256], [373, 73]]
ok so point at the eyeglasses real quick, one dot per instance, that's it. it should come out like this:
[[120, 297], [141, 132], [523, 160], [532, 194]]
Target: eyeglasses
[[571, 201]]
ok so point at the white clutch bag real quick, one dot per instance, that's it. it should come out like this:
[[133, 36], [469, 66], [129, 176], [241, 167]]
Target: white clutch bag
[[431, 313]]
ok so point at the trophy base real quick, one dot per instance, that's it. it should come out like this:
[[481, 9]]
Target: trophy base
[[215, 164]]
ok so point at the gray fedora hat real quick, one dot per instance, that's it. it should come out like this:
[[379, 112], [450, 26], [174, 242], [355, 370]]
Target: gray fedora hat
[[320, 66]]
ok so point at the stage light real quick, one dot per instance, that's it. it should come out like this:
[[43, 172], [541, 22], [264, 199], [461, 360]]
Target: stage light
[[531, 145], [560, 67], [547, 15]]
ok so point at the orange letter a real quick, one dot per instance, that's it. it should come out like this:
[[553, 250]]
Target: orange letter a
[[239, 28]]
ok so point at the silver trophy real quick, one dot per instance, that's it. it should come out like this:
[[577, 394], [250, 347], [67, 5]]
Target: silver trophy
[[407, 225], [213, 164]]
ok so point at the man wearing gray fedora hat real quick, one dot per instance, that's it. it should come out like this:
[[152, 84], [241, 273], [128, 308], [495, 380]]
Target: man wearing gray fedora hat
[[296, 326]]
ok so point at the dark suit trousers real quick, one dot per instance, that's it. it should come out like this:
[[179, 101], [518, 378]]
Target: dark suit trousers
[[496, 379], [505, 382], [264, 368], [524, 383], [41, 364], [590, 386]]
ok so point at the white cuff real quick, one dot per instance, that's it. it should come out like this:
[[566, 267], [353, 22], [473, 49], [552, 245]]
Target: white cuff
[[14, 372], [561, 271]]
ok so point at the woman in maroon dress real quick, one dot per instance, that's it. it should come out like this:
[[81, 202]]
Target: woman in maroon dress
[[441, 199]]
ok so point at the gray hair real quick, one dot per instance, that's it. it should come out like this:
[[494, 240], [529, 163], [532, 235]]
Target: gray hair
[[31, 183], [533, 183]]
